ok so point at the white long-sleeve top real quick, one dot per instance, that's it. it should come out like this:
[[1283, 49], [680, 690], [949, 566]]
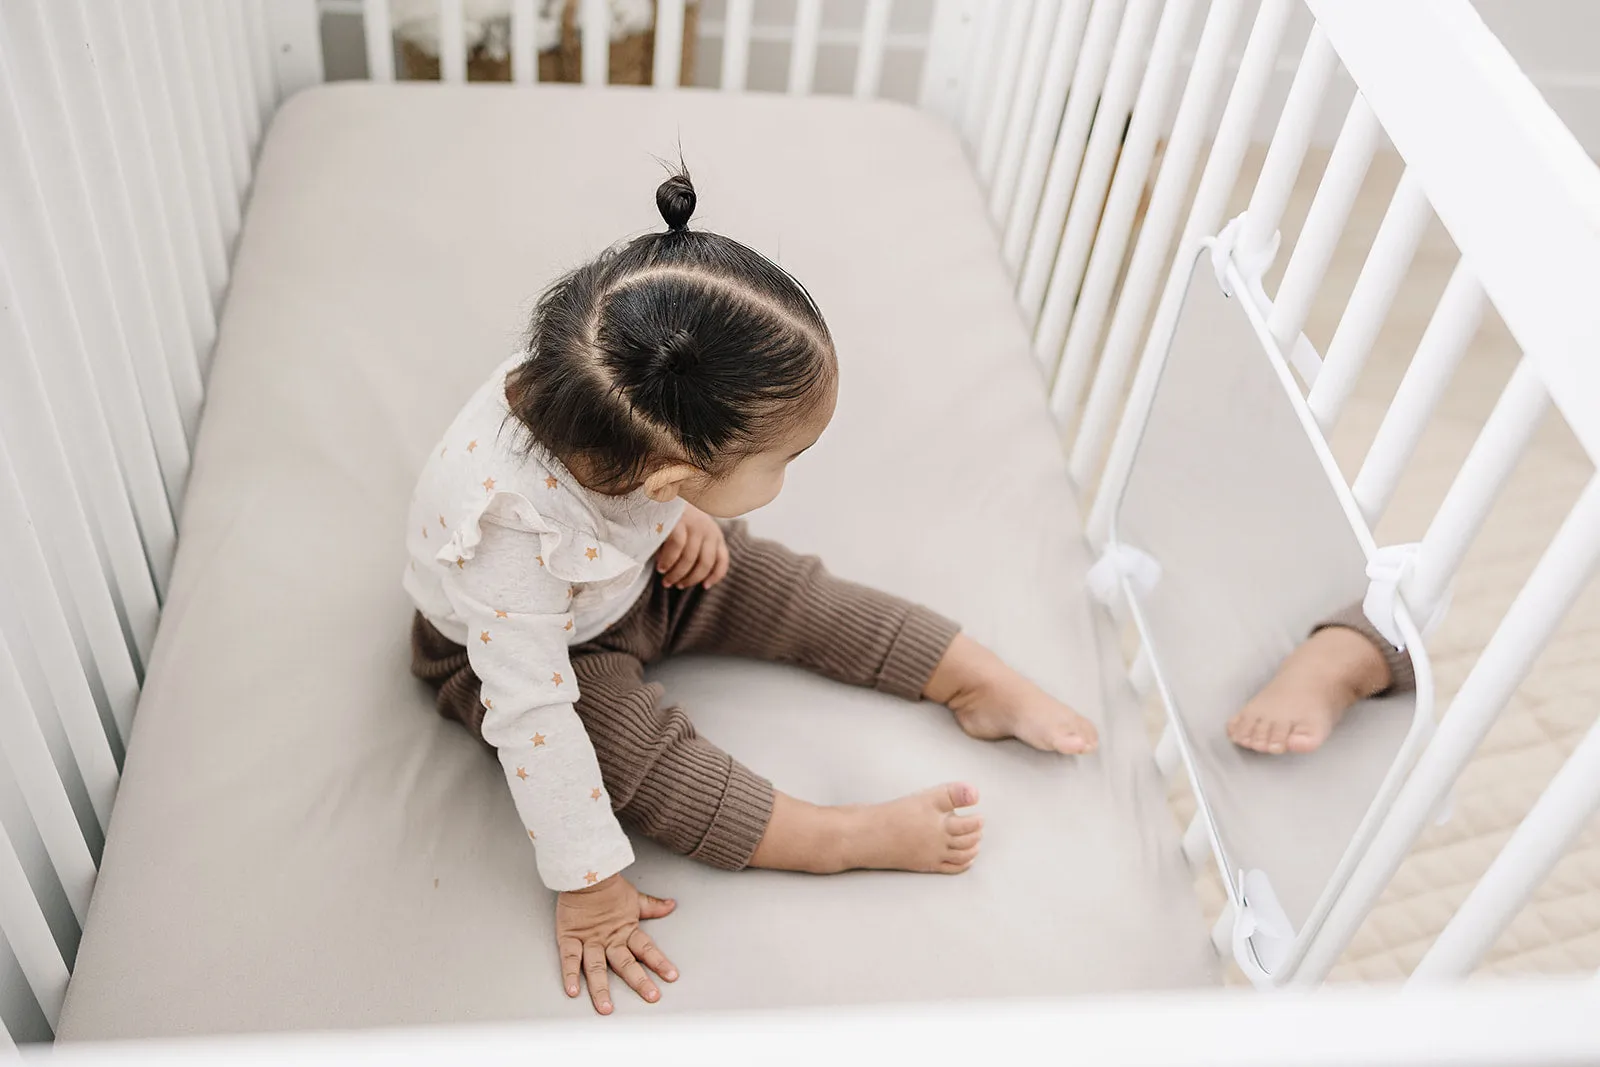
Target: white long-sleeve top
[[514, 559]]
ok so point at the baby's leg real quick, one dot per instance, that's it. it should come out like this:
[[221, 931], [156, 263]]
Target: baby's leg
[[1345, 660], [777, 605], [687, 794]]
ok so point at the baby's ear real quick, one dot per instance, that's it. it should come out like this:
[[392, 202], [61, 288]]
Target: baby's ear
[[666, 483]]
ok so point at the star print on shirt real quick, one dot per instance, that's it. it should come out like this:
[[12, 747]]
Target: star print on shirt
[[502, 614], [484, 637], [522, 772], [472, 446], [592, 552], [556, 677], [550, 481], [488, 485], [594, 794], [537, 739], [592, 877]]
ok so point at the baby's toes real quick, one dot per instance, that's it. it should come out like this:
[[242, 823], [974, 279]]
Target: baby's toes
[[1305, 737], [1241, 731], [956, 862], [956, 795], [962, 825], [962, 842], [1278, 737]]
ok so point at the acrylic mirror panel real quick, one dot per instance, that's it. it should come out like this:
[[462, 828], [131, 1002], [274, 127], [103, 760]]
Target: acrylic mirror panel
[[1228, 494]]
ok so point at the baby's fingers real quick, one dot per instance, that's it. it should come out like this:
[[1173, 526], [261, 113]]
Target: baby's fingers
[[703, 566], [684, 563], [623, 962], [643, 948], [720, 571], [594, 969], [670, 549], [571, 960]]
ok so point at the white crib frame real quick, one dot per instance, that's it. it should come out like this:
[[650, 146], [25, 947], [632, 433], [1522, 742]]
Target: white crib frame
[[130, 131]]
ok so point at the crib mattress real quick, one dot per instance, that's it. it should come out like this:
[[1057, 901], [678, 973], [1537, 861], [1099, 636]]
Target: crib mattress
[[301, 842]]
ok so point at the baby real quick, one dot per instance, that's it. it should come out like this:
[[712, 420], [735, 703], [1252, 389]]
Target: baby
[[1344, 661], [666, 385]]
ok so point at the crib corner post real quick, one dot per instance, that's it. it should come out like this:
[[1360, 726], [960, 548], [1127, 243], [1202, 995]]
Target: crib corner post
[[947, 67], [294, 28]]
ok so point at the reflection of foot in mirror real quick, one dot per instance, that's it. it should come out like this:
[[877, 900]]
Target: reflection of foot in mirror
[[1343, 661], [991, 701]]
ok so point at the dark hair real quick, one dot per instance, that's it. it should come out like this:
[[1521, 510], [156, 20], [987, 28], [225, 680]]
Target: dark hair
[[680, 346]]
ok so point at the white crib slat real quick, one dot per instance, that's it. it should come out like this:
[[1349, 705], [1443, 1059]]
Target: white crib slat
[[29, 934], [238, 51], [1544, 600], [1489, 463], [1105, 263], [524, 50], [133, 146], [1005, 85], [178, 204], [255, 22], [143, 447], [217, 62], [975, 104], [736, 45], [1330, 209], [42, 289], [1216, 182], [1290, 140], [1089, 197], [803, 51], [378, 34], [1387, 262], [869, 63], [44, 472], [667, 66], [596, 16], [34, 770], [1082, 102], [95, 163], [227, 177], [452, 42], [1052, 101], [1024, 103], [1544, 836], [1455, 321], [215, 211], [35, 598]]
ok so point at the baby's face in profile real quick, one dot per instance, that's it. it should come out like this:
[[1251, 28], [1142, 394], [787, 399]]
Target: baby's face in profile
[[758, 478]]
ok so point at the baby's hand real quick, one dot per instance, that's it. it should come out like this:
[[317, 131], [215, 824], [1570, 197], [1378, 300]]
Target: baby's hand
[[694, 552], [599, 926]]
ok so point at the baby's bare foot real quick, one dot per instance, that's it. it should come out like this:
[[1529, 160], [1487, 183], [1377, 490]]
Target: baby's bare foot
[[922, 832], [991, 701], [1298, 709]]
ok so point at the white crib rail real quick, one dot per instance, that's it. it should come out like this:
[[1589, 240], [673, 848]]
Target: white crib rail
[[128, 132]]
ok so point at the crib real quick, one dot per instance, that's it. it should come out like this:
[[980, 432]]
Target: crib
[[237, 303]]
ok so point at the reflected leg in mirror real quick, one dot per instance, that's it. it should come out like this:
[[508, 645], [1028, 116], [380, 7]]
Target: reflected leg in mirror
[[1343, 662]]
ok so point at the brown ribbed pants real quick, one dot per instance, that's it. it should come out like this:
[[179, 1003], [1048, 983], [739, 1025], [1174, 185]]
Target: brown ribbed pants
[[664, 779], [1402, 673]]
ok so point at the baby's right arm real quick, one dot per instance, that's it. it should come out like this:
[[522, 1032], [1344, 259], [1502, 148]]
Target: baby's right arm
[[518, 618]]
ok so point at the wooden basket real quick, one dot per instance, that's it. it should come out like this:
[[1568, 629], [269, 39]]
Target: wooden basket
[[632, 57]]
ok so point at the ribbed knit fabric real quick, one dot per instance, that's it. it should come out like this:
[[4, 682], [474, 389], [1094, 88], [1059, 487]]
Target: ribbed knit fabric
[[1402, 674], [664, 779]]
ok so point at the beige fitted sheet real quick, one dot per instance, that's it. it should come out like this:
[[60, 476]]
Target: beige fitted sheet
[[301, 842]]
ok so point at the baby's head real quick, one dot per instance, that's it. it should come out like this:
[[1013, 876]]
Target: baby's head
[[681, 362]]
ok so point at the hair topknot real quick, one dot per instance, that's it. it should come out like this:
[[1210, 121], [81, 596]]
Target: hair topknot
[[675, 200]]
